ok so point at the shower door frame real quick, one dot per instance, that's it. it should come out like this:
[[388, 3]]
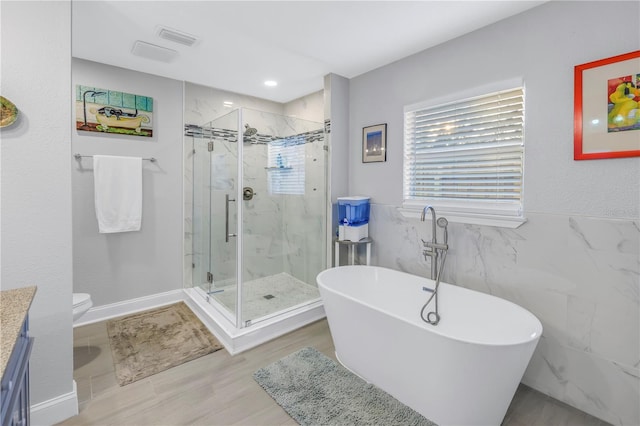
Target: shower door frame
[[235, 318], [238, 337], [239, 237], [211, 267]]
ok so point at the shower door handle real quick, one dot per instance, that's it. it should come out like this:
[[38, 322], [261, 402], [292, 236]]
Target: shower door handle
[[227, 200]]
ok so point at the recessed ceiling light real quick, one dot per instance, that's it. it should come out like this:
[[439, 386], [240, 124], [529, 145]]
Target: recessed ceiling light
[[271, 83], [228, 104], [152, 51]]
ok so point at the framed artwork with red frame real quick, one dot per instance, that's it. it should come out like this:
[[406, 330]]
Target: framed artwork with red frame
[[607, 108]]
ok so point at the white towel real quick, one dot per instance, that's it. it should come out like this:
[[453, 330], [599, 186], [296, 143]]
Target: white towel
[[118, 193]]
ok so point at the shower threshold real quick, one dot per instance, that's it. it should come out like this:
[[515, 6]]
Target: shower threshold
[[269, 327]]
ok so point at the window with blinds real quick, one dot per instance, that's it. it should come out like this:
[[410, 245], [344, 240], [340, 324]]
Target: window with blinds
[[286, 166], [466, 156]]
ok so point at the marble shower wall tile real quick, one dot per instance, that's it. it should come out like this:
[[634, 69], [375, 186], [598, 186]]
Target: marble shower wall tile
[[310, 107], [187, 248], [262, 220], [304, 220], [580, 276], [203, 104]]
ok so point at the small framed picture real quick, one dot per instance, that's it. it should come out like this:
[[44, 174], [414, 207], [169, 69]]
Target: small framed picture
[[374, 143]]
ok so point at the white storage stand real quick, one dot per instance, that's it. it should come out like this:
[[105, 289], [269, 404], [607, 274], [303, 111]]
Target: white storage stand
[[352, 245], [353, 233]]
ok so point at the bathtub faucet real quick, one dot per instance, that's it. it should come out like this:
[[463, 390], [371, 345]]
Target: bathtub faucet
[[434, 250], [431, 247]]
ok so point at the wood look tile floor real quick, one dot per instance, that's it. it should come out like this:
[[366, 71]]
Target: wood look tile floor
[[219, 389]]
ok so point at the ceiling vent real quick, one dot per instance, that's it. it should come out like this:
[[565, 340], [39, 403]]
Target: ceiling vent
[[151, 51], [177, 36]]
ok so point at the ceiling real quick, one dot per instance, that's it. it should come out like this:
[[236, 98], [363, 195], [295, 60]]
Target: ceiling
[[243, 43]]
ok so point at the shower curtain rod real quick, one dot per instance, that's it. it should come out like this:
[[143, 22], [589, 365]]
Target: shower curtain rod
[[78, 156]]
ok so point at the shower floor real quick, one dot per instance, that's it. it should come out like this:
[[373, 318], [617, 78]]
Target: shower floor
[[267, 295]]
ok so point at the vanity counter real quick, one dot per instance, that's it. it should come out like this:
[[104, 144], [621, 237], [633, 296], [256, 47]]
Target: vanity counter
[[14, 307]]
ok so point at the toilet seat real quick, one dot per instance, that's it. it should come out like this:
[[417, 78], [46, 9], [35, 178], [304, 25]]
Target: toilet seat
[[81, 304], [80, 299]]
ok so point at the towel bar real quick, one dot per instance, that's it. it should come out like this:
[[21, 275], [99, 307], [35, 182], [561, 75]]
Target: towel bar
[[78, 156]]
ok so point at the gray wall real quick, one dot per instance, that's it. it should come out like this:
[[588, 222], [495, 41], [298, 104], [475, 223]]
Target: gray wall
[[576, 262], [574, 33], [123, 266], [36, 181]]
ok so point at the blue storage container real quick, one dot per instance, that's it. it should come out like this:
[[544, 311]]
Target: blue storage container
[[353, 211]]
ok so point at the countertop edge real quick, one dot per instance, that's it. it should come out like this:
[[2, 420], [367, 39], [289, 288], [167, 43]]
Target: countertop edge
[[14, 307]]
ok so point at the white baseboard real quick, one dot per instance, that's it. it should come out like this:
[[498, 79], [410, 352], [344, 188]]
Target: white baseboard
[[118, 309], [55, 410]]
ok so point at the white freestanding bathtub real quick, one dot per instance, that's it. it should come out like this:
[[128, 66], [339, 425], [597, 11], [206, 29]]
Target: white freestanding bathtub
[[464, 371]]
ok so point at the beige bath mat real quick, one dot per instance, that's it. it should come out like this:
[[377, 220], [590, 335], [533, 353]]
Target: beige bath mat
[[149, 342]]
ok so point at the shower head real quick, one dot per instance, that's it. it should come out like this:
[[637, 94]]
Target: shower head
[[249, 131]]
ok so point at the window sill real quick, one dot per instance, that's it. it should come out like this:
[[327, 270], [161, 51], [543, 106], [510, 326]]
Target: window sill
[[512, 222]]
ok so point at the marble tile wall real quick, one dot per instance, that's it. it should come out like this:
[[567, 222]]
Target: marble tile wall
[[263, 244], [304, 221], [278, 230], [188, 248], [214, 175], [203, 104], [579, 275], [223, 178]]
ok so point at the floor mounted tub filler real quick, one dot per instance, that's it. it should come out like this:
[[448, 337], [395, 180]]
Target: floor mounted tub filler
[[464, 371]]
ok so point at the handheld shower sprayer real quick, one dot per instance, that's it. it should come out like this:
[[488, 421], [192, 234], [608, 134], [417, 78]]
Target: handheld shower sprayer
[[442, 223]]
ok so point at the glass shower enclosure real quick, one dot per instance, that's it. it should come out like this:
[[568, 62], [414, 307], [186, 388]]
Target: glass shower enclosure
[[259, 214]]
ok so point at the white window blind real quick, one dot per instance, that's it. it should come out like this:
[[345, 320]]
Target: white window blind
[[286, 166], [467, 155]]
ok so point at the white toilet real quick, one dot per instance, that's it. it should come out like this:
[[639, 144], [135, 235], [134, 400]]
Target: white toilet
[[81, 304]]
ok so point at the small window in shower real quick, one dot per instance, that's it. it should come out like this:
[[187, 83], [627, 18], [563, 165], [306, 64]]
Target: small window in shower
[[286, 166]]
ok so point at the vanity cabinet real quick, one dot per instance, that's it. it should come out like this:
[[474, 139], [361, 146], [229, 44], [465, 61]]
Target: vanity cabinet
[[16, 350]]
